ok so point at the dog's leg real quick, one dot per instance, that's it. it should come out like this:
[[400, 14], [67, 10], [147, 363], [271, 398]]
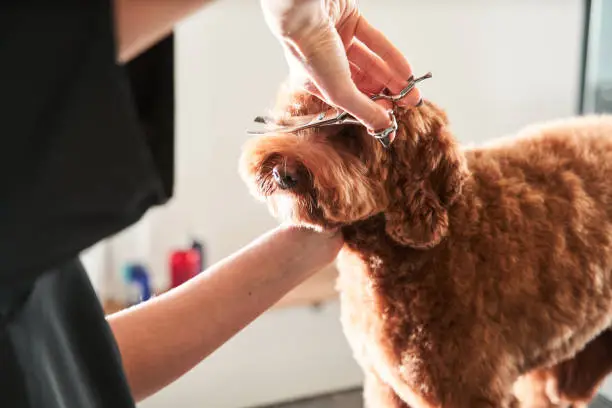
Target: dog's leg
[[571, 383], [531, 390], [577, 379], [377, 394]]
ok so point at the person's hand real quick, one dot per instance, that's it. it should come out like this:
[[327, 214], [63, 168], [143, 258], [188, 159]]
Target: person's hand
[[337, 55], [310, 250]]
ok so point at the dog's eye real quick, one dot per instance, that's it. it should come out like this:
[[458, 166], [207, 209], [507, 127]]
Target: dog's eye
[[285, 176]]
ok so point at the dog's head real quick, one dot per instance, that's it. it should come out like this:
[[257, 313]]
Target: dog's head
[[335, 176]]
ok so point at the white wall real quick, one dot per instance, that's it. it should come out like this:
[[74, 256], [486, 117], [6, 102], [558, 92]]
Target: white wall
[[497, 65]]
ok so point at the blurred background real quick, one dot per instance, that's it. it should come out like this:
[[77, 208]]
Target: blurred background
[[497, 65]]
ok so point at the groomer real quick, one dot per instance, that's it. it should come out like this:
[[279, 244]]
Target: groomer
[[87, 132]]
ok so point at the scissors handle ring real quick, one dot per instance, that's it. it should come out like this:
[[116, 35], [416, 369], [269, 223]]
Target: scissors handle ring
[[412, 82], [385, 136]]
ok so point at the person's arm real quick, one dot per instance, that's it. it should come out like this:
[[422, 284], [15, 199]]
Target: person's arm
[[165, 337], [141, 23]]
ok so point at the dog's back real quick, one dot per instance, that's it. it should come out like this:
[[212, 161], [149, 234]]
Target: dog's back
[[541, 203], [575, 145]]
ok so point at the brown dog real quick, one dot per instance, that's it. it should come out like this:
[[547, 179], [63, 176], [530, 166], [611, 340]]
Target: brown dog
[[462, 269]]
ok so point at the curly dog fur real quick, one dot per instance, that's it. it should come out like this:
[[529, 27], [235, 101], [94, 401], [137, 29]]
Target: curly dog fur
[[465, 271]]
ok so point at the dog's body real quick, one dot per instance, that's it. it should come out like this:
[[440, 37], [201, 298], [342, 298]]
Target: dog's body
[[522, 279], [463, 269]]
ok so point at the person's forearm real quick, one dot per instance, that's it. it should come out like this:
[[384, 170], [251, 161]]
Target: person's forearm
[[139, 24], [168, 335]]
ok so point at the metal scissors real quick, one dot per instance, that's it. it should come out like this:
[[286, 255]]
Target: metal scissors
[[344, 118]]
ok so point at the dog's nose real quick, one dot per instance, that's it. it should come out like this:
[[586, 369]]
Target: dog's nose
[[285, 176]]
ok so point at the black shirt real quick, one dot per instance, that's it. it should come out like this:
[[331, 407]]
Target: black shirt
[[86, 144], [86, 148]]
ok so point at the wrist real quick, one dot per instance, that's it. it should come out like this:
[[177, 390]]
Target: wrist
[[307, 251]]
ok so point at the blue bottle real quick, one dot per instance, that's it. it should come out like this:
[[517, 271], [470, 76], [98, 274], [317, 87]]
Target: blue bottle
[[136, 274]]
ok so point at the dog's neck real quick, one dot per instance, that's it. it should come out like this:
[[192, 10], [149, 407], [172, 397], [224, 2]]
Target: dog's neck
[[370, 241]]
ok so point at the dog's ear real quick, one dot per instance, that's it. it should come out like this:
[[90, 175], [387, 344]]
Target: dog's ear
[[427, 176]]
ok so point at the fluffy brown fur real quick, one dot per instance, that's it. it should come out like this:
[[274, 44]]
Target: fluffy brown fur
[[463, 269]]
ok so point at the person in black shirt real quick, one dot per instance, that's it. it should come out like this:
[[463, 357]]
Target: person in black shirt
[[87, 148]]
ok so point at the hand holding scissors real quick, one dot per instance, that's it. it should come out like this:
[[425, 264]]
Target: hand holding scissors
[[337, 55]]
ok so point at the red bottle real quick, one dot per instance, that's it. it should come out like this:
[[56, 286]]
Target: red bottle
[[184, 265]]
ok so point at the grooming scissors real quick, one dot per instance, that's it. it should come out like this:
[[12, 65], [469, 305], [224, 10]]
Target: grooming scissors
[[344, 118]]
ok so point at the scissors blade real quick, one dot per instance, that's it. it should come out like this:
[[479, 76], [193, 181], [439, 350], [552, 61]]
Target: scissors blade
[[340, 119]]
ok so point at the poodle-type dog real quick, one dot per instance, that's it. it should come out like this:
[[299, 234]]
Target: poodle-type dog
[[463, 268]]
